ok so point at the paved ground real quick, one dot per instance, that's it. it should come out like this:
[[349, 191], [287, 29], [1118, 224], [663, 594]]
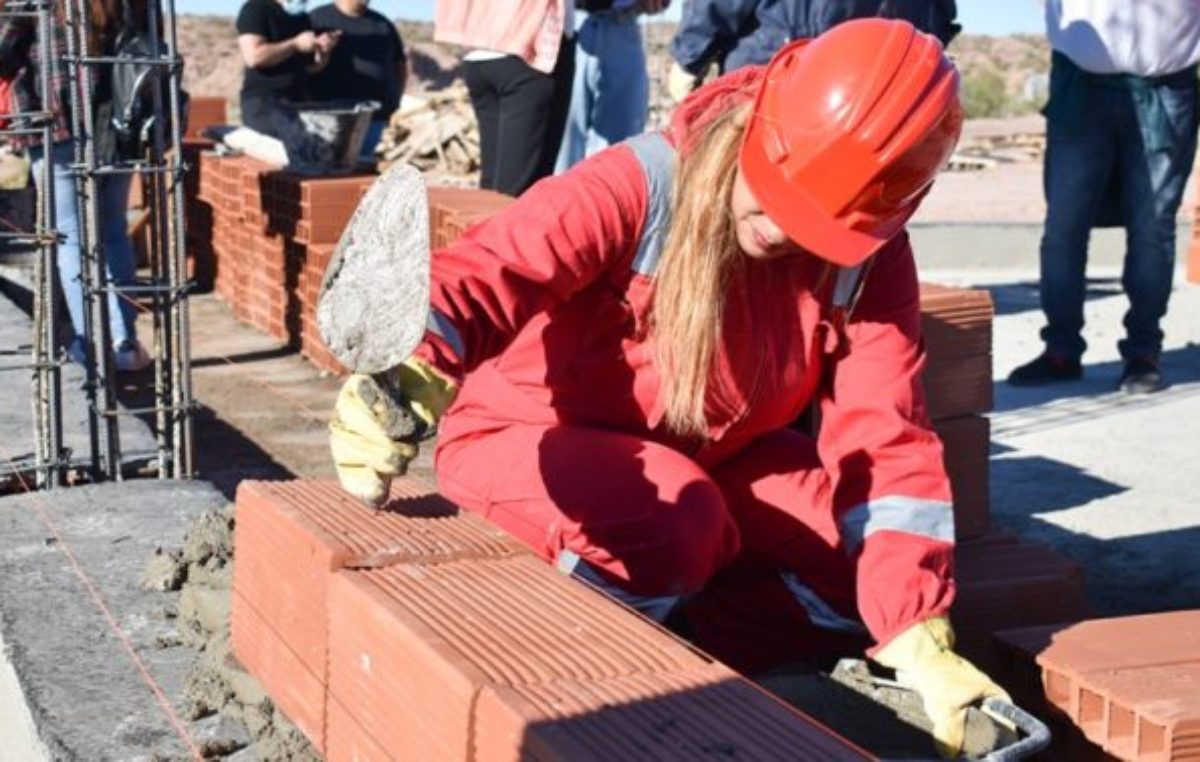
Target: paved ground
[[73, 614]]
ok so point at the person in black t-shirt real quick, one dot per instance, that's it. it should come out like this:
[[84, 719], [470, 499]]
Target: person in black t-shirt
[[368, 65], [280, 51]]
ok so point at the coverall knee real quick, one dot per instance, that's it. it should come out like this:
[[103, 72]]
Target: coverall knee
[[751, 543]]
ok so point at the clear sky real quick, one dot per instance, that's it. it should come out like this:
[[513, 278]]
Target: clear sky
[[976, 16]]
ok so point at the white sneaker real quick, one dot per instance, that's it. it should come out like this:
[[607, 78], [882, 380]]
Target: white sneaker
[[129, 356]]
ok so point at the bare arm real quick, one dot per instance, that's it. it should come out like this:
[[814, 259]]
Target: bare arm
[[257, 53]]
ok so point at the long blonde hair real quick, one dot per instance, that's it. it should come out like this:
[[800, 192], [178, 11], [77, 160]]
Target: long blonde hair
[[700, 254]]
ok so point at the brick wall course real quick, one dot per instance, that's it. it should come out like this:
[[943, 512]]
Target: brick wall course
[[292, 536]]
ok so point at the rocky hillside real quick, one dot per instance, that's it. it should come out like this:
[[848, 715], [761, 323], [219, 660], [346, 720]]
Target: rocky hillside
[[1002, 75]]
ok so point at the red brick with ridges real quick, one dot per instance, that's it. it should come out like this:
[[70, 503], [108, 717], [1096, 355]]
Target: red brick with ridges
[[957, 326], [411, 645], [680, 715], [291, 537], [1132, 684]]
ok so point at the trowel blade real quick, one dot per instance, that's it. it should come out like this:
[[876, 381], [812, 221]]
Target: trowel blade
[[374, 299]]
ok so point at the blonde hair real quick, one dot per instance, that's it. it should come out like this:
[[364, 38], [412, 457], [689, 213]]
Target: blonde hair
[[699, 256]]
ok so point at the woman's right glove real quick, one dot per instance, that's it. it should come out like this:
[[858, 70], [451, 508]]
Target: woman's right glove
[[374, 431], [924, 658]]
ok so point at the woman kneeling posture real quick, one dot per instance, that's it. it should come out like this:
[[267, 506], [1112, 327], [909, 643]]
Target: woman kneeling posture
[[617, 361]]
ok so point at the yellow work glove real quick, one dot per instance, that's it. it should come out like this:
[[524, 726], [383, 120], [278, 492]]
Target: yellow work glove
[[680, 82], [924, 659], [373, 436]]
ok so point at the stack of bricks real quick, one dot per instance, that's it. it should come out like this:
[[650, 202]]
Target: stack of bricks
[[419, 632], [1129, 686], [1003, 582], [271, 234], [957, 326], [453, 210], [266, 237]]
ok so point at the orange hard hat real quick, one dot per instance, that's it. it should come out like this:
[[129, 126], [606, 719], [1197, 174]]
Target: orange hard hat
[[847, 134]]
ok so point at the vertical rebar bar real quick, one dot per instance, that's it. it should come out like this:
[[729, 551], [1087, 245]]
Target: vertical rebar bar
[[181, 371]]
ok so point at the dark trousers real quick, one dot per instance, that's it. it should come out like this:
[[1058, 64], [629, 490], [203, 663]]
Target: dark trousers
[[521, 113], [1136, 138]]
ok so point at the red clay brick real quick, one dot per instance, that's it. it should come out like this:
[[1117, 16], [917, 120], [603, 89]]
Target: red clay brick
[[205, 112], [411, 645], [695, 714], [966, 444], [292, 536], [1006, 583], [296, 689], [957, 326], [347, 741], [1132, 684]]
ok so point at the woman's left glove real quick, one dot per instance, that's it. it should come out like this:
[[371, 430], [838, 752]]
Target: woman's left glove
[[924, 659], [374, 431]]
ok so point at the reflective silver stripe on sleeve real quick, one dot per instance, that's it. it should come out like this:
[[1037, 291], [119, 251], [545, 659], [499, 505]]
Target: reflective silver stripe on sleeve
[[440, 325], [933, 519], [657, 158], [820, 613], [656, 607]]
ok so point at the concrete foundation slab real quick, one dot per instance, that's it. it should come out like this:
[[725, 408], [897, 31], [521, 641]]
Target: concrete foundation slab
[[64, 555]]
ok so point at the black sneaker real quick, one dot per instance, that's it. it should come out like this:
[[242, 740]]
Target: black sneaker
[[1141, 376], [1047, 368]]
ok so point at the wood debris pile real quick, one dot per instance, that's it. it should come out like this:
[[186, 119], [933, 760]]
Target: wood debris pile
[[435, 133]]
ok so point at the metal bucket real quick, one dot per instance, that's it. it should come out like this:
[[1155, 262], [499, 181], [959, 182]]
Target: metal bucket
[[326, 137]]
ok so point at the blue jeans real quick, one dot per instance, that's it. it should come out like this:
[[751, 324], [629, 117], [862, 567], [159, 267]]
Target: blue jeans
[[116, 247], [1134, 138], [610, 94]]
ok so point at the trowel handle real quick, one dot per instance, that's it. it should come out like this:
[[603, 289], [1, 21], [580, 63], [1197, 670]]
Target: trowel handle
[[1037, 735], [389, 384]]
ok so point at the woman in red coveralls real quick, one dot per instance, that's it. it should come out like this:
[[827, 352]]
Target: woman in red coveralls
[[620, 353]]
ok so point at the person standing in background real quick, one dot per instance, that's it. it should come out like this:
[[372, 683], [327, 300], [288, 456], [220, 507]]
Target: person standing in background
[[280, 52], [20, 61], [368, 64], [737, 33], [611, 92], [519, 70], [1121, 119]]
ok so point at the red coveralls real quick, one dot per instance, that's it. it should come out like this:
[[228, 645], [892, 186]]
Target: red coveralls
[[781, 545]]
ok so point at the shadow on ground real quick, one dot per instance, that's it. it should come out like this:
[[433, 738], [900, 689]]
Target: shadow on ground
[[1025, 296], [1118, 570], [223, 455], [1097, 388]]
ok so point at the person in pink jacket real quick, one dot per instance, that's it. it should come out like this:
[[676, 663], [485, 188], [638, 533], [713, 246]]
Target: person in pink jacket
[[616, 362], [519, 68]]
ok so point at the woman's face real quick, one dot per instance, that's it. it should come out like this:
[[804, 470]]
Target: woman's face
[[757, 235]]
